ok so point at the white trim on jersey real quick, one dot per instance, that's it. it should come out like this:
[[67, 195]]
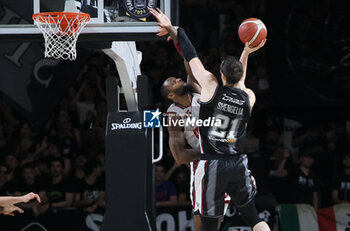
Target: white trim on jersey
[[198, 178], [200, 143]]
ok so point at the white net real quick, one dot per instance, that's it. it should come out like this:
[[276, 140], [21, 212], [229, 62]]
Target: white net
[[61, 33]]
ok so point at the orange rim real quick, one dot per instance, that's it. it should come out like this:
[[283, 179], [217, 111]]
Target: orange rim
[[53, 17]]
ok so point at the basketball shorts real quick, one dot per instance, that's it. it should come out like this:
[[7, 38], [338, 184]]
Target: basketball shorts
[[215, 177], [194, 185]]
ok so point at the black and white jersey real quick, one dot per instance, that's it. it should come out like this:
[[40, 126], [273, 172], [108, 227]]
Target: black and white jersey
[[231, 106]]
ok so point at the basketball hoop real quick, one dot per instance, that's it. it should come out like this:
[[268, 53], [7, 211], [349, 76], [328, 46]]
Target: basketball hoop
[[61, 31]]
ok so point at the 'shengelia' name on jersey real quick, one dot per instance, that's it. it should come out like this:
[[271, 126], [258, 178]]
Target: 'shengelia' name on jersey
[[229, 108], [116, 126]]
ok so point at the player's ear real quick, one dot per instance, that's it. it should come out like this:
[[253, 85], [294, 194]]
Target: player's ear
[[223, 77]]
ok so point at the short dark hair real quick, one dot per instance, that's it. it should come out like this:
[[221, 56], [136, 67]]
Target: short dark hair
[[27, 165], [91, 165], [232, 68], [306, 152]]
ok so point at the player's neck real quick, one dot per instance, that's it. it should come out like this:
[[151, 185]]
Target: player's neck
[[57, 179], [91, 179], [231, 85], [184, 100]]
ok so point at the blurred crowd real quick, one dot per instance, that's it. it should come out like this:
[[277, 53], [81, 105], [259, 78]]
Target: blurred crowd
[[293, 162], [63, 161]]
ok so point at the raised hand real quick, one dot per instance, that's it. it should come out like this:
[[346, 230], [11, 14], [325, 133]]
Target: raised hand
[[163, 20], [250, 50], [162, 32], [165, 26]]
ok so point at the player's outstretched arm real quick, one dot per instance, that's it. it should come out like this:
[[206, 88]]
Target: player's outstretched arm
[[9, 200], [244, 60], [191, 80], [177, 144], [166, 28], [206, 80]]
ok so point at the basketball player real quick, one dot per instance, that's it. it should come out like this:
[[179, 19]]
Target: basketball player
[[185, 97], [184, 141], [7, 203], [223, 166]]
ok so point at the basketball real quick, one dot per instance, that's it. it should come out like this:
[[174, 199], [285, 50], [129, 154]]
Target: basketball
[[253, 31]]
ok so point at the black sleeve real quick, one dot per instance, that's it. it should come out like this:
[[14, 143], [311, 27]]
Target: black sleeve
[[187, 48]]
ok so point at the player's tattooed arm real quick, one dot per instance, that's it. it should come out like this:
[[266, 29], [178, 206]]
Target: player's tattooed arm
[[177, 144]]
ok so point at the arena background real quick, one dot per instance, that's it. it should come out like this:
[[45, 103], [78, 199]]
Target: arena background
[[301, 79]]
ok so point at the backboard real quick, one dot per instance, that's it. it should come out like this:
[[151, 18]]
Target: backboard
[[111, 20]]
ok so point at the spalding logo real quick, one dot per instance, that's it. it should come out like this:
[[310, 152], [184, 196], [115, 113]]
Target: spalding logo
[[126, 125], [126, 120], [138, 8]]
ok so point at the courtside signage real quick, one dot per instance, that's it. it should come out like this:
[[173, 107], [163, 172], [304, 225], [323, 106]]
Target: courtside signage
[[126, 124]]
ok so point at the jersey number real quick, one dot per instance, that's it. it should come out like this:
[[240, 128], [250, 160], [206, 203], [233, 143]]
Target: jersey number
[[221, 131]]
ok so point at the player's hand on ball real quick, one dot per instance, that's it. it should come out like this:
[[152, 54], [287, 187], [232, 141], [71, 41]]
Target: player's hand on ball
[[253, 49], [31, 196], [11, 209]]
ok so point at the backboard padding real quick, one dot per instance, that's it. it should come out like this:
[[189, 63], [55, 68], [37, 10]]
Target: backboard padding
[[16, 22]]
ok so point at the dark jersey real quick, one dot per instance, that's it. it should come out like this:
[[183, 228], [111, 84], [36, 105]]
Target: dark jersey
[[231, 106], [57, 192], [341, 183], [88, 191]]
